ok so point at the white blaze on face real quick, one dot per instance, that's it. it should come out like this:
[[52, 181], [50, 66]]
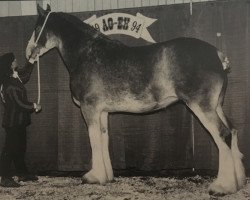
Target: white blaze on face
[[31, 45]]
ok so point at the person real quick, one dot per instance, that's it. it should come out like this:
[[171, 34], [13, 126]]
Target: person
[[16, 117]]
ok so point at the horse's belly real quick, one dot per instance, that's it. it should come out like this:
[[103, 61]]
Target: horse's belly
[[140, 106]]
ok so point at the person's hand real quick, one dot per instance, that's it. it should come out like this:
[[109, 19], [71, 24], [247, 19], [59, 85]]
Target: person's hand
[[32, 56], [33, 60], [37, 107]]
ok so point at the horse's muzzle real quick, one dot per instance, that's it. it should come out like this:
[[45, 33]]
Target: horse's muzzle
[[33, 54]]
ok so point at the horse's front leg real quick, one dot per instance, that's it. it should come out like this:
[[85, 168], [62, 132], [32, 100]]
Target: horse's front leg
[[97, 174], [105, 145]]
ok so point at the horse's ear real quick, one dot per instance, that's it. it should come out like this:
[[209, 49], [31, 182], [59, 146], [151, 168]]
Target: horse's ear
[[48, 8], [40, 10]]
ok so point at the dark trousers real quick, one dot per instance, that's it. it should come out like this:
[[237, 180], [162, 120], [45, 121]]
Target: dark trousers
[[14, 151]]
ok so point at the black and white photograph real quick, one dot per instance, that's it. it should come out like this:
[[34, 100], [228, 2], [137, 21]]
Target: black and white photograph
[[125, 100]]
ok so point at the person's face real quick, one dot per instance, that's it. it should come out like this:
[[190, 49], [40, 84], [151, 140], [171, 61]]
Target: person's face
[[14, 64]]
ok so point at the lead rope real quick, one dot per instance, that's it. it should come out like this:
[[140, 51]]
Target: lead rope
[[38, 62], [193, 142], [44, 23], [38, 81], [192, 118]]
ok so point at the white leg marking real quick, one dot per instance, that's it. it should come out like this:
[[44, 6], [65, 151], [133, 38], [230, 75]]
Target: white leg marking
[[31, 45], [98, 172], [105, 145], [237, 157], [226, 180]]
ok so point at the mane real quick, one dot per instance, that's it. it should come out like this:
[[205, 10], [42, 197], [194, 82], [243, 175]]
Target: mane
[[85, 28]]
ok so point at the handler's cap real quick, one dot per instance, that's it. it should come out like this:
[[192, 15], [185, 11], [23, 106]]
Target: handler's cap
[[6, 61]]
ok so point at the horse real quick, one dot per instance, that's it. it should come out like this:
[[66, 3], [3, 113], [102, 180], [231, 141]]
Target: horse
[[107, 76]]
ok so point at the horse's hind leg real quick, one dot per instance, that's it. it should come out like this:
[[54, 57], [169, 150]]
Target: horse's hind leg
[[237, 155], [226, 181]]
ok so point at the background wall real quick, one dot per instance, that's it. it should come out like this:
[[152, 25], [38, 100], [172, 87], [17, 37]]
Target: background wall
[[19, 8], [168, 139]]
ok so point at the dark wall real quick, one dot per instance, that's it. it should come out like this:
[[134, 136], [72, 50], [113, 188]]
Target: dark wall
[[42, 134], [57, 138]]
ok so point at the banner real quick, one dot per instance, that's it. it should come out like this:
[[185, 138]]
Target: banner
[[122, 23]]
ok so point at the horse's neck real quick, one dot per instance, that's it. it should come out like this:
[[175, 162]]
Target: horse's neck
[[79, 42], [74, 49]]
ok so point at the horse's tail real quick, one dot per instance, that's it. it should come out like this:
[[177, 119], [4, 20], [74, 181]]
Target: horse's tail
[[224, 61]]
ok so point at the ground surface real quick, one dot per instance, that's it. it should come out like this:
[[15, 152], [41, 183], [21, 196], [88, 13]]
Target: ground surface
[[124, 188]]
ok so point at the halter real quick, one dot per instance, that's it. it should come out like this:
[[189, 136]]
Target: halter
[[38, 63], [44, 23]]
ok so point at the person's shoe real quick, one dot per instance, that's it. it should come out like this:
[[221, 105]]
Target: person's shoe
[[27, 177], [9, 182]]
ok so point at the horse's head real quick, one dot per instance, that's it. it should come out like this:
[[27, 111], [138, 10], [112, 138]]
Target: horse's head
[[42, 39]]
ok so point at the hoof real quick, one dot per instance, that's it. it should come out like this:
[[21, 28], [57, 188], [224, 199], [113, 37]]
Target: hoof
[[217, 194], [241, 176], [89, 179], [218, 190], [242, 182]]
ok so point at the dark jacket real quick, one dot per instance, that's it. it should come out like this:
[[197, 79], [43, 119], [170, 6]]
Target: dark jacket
[[17, 108]]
